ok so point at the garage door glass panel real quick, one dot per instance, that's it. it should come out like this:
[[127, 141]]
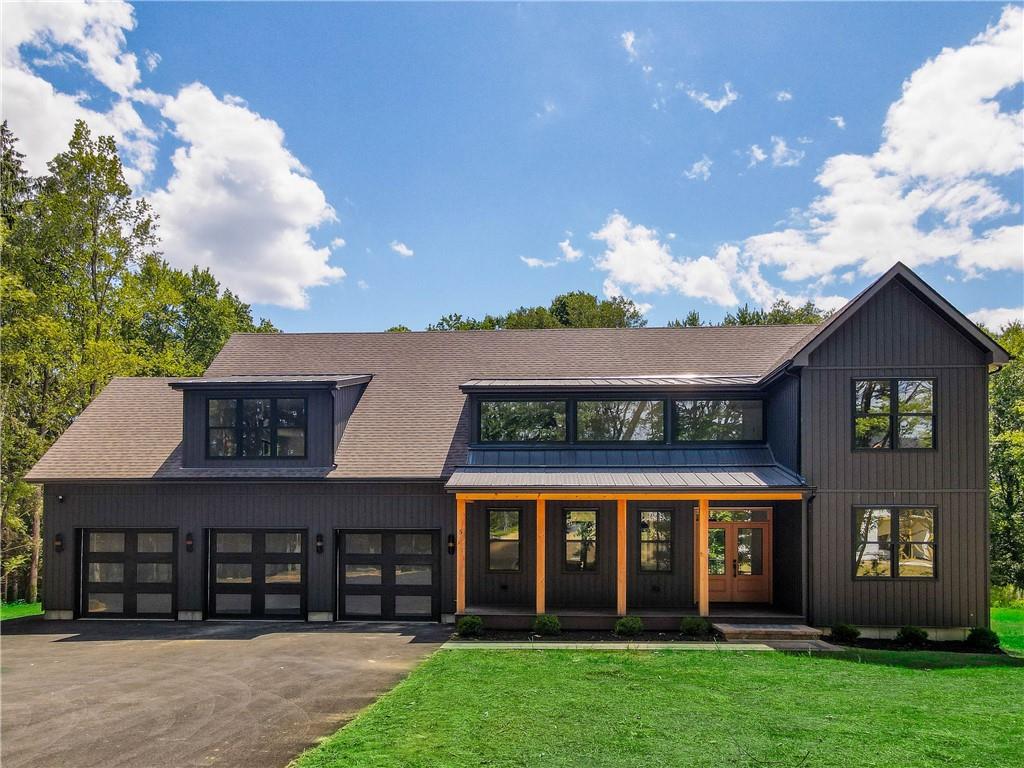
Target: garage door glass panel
[[363, 543], [152, 603], [119, 567], [362, 605], [389, 575], [234, 573], [155, 542], [282, 604], [234, 542], [413, 544], [284, 543], [413, 605], [109, 573], [362, 574], [106, 602], [413, 574], [233, 603], [106, 541], [154, 573], [283, 573]]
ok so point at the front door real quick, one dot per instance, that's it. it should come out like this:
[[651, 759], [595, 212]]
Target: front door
[[739, 556]]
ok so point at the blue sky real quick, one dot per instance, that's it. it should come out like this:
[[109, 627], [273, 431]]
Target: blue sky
[[687, 156]]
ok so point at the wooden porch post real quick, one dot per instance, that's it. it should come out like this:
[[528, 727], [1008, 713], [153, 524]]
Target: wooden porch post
[[620, 593], [703, 514], [541, 585], [460, 554]]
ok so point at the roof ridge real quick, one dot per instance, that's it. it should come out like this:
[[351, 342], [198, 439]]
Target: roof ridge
[[523, 330]]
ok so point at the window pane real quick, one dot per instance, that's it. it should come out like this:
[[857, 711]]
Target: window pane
[[362, 605], [414, 544], [234, 542], [234, 573], [655, 557], [232, 603], [291, 412], [106, 602], [291, 442], [874, 525], [917, 525], [362, 574], [362, 543], [109, 573], [503, 539], [872, 396], [283, 604], [522, 421], [872, 432], [620, 420], [655, 525], [221, 412], [155, 542], [503, 555], [283, 543], [282, 573], [701, 420], [413, 605], [153, 603], [255, 437], [581, 539], [917, 560], [873, 560], [222, 443], [750, 551], [413, 574], [716, 551], [106, 541], [915, 432], [503, 524], [154, 573], [914, 395]]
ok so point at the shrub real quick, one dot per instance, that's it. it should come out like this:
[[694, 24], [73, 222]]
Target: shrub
[[470, 626], [547, 624], [913, 637], [629, 626], [693, 626], [1006, 596], [845, 633], [983, 639]]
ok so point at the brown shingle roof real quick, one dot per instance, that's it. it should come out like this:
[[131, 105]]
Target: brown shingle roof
[[412, 421]]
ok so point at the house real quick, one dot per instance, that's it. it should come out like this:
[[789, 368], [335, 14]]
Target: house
[[829, 473]]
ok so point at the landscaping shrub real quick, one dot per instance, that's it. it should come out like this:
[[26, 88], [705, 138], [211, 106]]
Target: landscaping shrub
[[845, 633], [629, 626], [983, 639], [547, 624], [692, 626], [913, 637], [470, 626]]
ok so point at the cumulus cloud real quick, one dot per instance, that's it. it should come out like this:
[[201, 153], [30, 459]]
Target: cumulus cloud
[[402, 249], [152, 60], [628, 39], [701, 169], [715, 105], [784, 156], [338, 242], [363, 285], [568, 252], [756, 155], [839, 120], [783, 96], [535, 263], [997, 319]]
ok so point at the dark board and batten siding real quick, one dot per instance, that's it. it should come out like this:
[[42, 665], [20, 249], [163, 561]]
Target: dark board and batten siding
[[316, 507], [897, 335]]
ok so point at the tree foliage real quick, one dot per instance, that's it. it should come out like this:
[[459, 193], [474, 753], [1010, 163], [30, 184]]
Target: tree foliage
[[577, 309], [85, 297]]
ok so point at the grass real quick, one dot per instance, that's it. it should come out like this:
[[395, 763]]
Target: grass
[[19, 609], [692, 708], [1009, 624]]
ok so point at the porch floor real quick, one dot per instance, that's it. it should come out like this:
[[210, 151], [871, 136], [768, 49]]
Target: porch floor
[[521, 616]]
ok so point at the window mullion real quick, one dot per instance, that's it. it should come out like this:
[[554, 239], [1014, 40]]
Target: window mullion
[[238, 427]]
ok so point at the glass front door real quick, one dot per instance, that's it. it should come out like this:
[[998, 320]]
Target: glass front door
[[739, 556]]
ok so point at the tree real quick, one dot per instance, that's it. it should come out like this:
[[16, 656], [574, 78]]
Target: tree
[[399, 329], [781, 313], [692, 320], [576, 309]]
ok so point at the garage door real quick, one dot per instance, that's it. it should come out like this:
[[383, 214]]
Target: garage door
[[128, 573], [257, 574], [389, 575]]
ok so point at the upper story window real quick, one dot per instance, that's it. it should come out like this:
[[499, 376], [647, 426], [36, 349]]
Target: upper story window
[[616, 421], [718, 420], [256, 427], [894, 542], [893, 414], [522, 421]]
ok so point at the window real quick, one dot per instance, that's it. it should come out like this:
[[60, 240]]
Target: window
[[894, 542], [503, 539], [656, 540], [616, 421], [718, 420], [893, 413], [581, 539], [256, 428], [522, 421]]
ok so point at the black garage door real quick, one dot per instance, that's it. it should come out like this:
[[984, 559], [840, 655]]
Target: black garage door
[[257, 574], [128, 573], [389, 575]]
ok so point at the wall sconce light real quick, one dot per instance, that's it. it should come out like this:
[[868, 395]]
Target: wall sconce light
[[58, 542], [60, 499], [319, 543], [451, 543], [190, 542]]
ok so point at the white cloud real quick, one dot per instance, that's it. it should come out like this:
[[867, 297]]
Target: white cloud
[[783, 96], [840, 121], [996, 319], [240, 203], [534, 263], [152, 60], [701, 169], [647, 69], [338, 242], [715, 105], [362, 285], [783, 156], [756, 155], [804, 140], [547, 109], [402, 249], [628, 39], [568, 252]]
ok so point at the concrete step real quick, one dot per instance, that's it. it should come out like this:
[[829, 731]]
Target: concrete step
[[766, 631]]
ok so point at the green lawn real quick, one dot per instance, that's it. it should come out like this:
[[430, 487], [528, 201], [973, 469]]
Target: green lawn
[[17, 610], [691, 708], [1009, 624]]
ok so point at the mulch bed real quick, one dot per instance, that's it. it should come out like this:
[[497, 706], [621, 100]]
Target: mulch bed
[[947, 646]]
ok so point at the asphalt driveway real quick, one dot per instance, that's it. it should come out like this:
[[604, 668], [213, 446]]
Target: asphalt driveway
[[156, 695]]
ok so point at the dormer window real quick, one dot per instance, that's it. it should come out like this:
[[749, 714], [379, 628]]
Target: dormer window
[[256, 428]]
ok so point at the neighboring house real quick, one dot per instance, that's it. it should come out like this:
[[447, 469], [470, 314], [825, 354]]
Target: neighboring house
[[832, 473]]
